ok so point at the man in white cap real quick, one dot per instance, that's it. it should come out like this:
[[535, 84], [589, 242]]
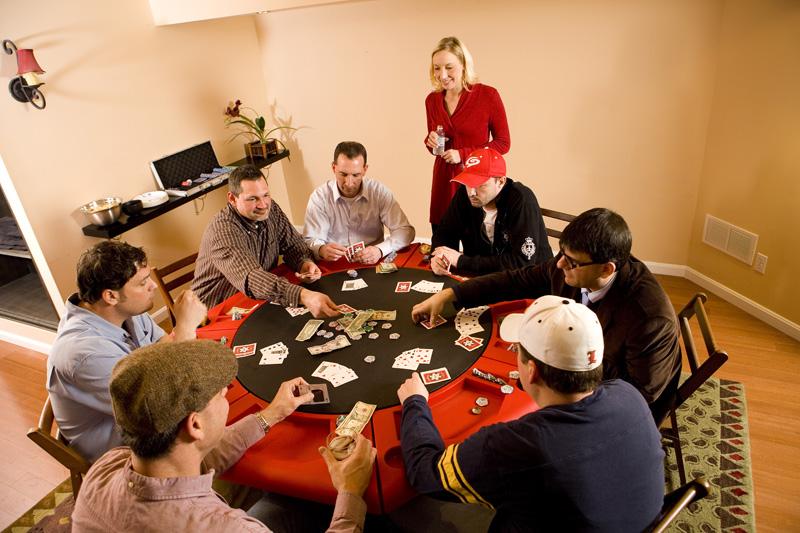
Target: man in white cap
[[497, 221], [589, 458]]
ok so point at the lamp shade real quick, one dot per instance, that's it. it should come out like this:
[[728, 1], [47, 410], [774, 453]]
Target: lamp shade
[[27, 63]]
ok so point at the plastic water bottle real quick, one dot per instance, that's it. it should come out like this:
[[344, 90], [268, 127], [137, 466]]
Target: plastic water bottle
[[439, 150]]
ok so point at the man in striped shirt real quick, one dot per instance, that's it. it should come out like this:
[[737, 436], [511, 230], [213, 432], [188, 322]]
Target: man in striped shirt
[[242, 243]]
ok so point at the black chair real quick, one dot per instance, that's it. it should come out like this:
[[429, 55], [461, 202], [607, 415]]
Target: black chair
[[699, 373], [675, 501]]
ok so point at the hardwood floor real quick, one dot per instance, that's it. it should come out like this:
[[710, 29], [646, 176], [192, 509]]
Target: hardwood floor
[[765, 360]]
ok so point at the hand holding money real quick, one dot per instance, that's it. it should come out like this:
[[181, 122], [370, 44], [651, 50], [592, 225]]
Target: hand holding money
[[353, 473]]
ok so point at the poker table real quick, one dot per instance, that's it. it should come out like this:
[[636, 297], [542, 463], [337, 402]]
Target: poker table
[[287, 460]]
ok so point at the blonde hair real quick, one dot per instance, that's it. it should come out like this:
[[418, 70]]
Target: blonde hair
[[458, 49]]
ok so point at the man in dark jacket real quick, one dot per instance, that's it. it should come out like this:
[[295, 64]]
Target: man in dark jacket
[[589, 459], [496, 219], [595, 267]]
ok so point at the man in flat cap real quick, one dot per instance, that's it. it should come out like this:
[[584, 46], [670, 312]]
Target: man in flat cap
[[589, 458], [169, 402]]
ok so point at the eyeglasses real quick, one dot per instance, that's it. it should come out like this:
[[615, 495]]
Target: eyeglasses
[[574, 263]]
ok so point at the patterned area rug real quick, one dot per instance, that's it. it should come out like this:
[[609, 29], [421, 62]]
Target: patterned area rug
[[713, 426], [714, 440]]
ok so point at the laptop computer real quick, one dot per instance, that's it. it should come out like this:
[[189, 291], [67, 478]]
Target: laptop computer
[[189, 171]]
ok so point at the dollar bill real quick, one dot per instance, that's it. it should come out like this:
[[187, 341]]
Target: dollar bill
[[356, 419], [384, 315], [385, 268], [336, 343], [357, 325], [308, 330], [345, 321]]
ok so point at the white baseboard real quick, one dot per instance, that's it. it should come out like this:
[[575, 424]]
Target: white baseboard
[[30, 337], [667, 269]]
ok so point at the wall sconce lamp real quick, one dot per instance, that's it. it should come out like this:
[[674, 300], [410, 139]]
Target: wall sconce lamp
[[24, 87]]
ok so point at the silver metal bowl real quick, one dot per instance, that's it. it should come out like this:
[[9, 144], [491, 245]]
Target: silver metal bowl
[[103, 212]]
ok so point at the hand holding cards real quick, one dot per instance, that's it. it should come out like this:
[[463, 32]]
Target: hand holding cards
[[319, 390]]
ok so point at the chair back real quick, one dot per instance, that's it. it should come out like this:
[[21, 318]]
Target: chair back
[[677, 500], [58, 448], [173, 276], [700, 372], [556, 216]]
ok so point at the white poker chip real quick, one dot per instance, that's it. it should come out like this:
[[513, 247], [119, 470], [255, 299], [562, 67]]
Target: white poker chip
[[328, 335], [369, 359], [332, 324], [506, 389], [514, 374], [321, 332], [481, 401], [339, 327], [372, 323], [386, 325], [373, 336], [475, 410], [356, 337], [394, 336]]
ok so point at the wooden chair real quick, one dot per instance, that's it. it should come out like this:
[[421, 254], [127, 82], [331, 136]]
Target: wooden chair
[[170, 277], [699, 372], [675, 501], [58, 448], [558, 215]]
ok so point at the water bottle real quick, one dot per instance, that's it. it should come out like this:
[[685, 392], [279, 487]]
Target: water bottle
[[439, 150]]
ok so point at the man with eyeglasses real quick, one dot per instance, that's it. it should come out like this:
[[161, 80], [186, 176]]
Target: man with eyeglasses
[[242, 243], [595, 267]]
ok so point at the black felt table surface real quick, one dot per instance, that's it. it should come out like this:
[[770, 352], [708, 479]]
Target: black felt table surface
[[377, 382]]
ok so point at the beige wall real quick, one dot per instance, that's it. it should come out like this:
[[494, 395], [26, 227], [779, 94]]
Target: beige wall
[[608, 101], [751, 175], [120, 93]]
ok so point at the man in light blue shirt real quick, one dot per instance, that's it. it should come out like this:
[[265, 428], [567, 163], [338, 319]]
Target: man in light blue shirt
[[352, 208], [104, 322]]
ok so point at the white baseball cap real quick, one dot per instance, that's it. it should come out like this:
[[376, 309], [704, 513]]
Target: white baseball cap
[[559, 332]]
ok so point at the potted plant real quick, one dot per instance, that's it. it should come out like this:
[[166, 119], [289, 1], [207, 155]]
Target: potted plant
[[263, 144]]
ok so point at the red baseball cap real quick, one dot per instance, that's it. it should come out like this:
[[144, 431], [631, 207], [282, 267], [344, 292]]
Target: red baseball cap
[[482, 164]]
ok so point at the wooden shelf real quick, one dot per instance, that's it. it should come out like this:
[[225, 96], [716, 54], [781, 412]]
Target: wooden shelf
[[126, 223]]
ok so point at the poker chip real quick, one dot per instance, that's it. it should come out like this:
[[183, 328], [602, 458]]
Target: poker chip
[[475, 410], [328, 335], [332, 324], [506, 389], [356, 337], [369, 359], [514, 374], [394, 336], [372, 323], [321, 332], [373, 336], [339, 327], [481, 401], [368, 328], [386, 325], [352, 273]]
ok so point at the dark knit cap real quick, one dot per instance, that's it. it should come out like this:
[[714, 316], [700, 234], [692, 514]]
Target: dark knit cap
[[157, 386]]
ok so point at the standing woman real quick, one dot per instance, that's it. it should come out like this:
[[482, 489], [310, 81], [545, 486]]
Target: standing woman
[[471, 114]]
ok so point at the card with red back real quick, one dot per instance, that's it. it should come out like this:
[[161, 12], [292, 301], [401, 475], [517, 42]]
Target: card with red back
[[344, 308], [244, 350], [433, 322], [437, 375], [469, 343], [403, 286]]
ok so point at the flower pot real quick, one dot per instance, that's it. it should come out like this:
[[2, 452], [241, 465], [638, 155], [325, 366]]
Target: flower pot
[[259, 150]]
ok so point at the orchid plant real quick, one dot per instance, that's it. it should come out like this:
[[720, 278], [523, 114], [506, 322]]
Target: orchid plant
[[254, 127]]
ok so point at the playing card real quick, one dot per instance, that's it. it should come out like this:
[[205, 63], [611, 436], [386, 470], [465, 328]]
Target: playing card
[[296, 311], [320, 391], [469, 343], [352, 250], [423, 355], [271, 358], [240, 310], [446, 262], [344, 308], [354, 284], [244, 350], [429, 287], [403, 286], [438, 320], [405, 363], [429, 377]]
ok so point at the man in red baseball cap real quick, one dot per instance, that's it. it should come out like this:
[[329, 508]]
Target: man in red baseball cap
[[496, 220]]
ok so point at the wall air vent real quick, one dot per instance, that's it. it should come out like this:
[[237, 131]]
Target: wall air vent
[[730, 239]]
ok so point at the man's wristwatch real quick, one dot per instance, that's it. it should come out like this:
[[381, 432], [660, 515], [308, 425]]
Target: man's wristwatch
[[263, 422]]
